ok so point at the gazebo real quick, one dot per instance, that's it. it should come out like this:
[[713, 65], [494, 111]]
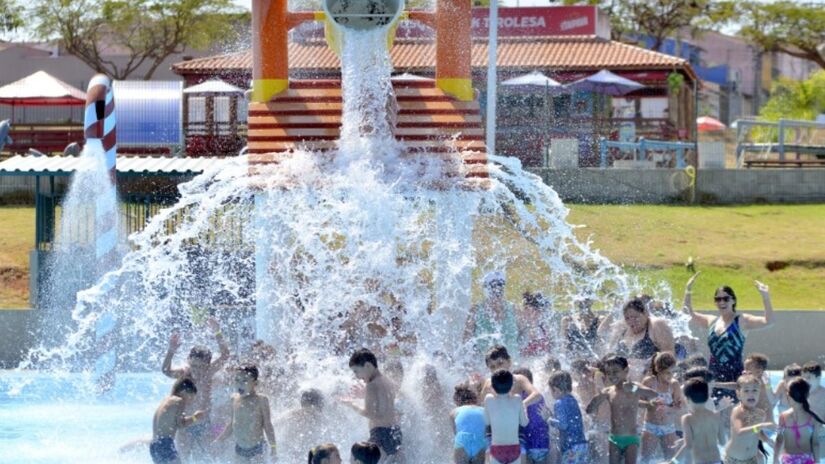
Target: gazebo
[[42, 89], [211, 113]]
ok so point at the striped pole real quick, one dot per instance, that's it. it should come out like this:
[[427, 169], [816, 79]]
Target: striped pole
[[101, 136]]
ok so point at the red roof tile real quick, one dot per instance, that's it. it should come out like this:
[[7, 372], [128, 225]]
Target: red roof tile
[[555, 53]]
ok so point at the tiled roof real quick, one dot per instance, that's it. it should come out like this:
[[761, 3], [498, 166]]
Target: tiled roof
[[66, 165], [556, 53]]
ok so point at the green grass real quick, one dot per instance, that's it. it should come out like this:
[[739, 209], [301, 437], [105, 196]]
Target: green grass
[[730, 245]]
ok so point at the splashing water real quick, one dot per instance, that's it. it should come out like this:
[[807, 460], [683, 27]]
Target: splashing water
[[322, 253]]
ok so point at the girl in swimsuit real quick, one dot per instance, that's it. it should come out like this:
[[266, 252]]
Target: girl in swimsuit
[[659, 430], [797, 441], [470, 443], [727, 331]]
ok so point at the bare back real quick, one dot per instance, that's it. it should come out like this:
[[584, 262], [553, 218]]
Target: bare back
[[704, 430], [379, 403], [168, 417]]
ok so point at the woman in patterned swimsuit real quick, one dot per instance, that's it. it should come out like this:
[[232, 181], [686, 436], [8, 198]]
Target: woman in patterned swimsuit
[[727, 331]]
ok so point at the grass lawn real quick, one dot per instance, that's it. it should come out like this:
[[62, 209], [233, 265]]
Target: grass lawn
[[730, 245]]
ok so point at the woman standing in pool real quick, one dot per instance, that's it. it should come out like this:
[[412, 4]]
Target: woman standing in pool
[[727, 331], [641, 336]]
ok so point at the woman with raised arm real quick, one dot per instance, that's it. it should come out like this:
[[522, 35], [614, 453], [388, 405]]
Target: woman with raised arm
[[727, 331]]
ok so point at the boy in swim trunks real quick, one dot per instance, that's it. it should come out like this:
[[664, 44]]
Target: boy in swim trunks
[[379, 405], [812, 373], [504, 413], [201, 368], [756, 364], [250, 419], [498, 358], [567, 417], [623, 398], [170, 417], [702, 427], [747, 424]]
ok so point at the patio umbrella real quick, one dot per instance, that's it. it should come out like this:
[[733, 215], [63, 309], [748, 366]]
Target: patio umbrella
[[607, 83], [534, 78], [709, 124]]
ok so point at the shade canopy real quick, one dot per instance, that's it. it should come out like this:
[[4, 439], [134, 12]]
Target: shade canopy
[[410, 77], [534, 78], [213, 86], [606, 82], [41, 89], [709, 124]]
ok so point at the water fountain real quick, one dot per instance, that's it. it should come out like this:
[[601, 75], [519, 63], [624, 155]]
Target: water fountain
[[365, 214]]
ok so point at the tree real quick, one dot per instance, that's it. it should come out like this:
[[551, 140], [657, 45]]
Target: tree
[[148, 31], [658, 19], [790, 27], [10, 18], [796, 99]]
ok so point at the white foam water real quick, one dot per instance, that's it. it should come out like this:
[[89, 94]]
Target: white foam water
[[323, 253]]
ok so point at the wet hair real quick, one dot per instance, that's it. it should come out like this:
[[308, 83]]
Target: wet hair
[[697, 390], [184, 385], [250, 370], [465, 395], [580, 366], [759, 359], [534, 300], [552, 364], [697, 360], [525, 372], [729, 291], [614, 360], [798, 390], [366, 453], [200, 352], [495, 353], [747, 379], [792, 370], [812, 367], [637, 304], [312, 398], [680, 370], [661, 362], [699, 373], [502, 381], [321, 452], [361, 357], [562, 381]]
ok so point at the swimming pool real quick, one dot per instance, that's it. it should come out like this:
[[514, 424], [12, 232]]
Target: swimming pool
[[48, 419]]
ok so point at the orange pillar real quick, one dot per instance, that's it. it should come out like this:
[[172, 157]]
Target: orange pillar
[[453, 24], [270, 62]]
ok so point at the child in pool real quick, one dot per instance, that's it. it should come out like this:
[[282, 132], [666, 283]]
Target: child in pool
[[747, 424], [623, 398], [365, 452], [250, 419], [659, 430], [588, 382], [567, 418], [504, 413], [470, 443], [536, 434], [812, 373], [756, 364], [324, 454], [790, 372], [799, 428], [702, 427], [379, 405], [498, 358], [169, 418]]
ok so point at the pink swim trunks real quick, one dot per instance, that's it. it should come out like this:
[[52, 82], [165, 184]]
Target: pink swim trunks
[[505, 454]]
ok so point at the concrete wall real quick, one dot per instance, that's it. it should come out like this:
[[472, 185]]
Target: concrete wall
[[16, 335], [594, 185]]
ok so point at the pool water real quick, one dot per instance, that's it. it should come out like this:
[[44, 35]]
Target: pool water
[[48, 419]]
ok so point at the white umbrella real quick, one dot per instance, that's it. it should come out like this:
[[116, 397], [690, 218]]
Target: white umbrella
[[410, 77], [535, 78], [213, 86], [606, 82]]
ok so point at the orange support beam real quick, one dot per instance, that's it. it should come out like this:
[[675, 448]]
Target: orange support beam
[[270, 61], [453, 24]]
